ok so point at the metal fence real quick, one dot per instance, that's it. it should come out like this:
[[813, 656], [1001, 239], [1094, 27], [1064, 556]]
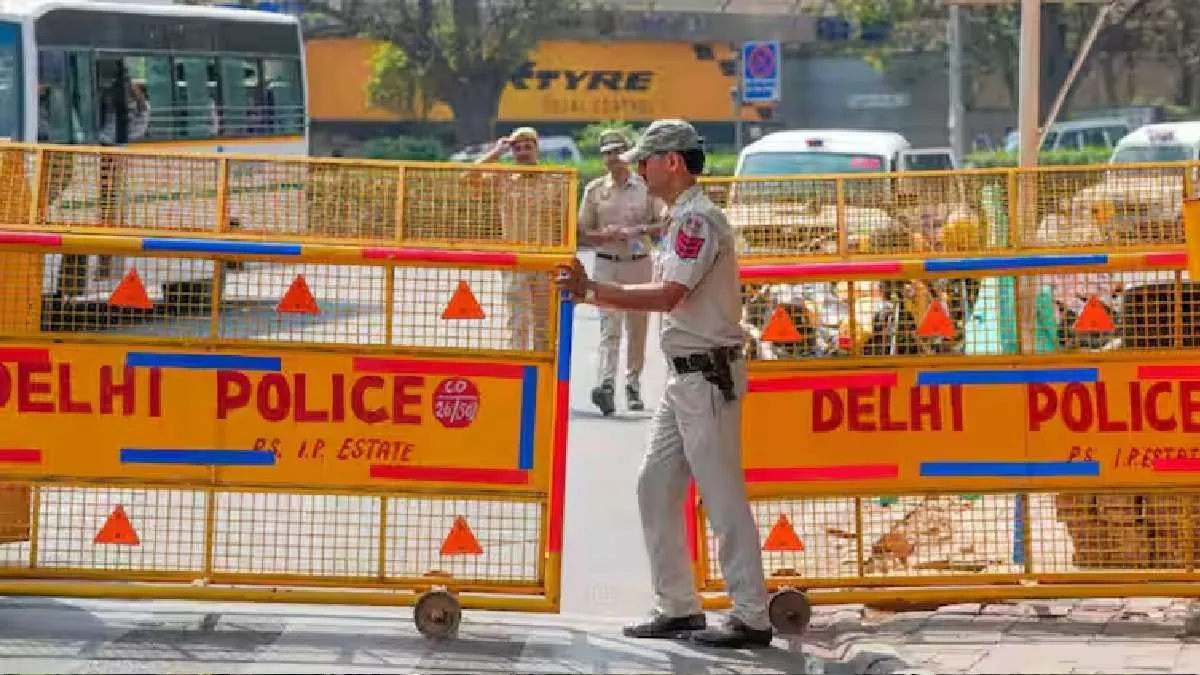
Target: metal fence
[[255, 378]]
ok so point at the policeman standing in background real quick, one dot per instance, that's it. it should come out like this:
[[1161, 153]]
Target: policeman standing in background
[[530, 205], [696, 430], [619, 217]]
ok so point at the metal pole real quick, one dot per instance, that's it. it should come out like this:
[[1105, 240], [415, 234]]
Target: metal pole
[[956, 123], [1027, 183], [737, 105], [1031, 17]]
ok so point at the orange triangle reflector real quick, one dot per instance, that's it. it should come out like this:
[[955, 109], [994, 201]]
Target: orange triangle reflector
[[461, 540], [463, 304], [780, 327], [298, 299], [936, 322], [117, 530], [130, 293], [783, 537], [1094, 318]]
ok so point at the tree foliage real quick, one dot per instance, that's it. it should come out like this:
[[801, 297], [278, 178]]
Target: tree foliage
[[588, 138], [395, 85], [457, 52], [991, 34], [1167, 31]]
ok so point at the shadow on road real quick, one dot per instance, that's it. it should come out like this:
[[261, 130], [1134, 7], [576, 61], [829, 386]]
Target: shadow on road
[[133, 637]]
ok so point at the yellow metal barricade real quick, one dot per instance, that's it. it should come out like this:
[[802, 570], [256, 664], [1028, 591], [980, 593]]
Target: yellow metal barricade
[[284, 380], [951, 403]]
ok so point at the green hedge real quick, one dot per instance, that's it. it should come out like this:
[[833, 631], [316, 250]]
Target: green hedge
[[405, 148], [715, 165], [996, 159]]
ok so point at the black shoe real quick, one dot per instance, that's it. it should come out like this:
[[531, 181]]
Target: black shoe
[[604, 398], [633, 398], [665, 627], [733, 634]]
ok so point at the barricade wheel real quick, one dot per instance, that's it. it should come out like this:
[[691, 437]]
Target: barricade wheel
[[437, 615], [790, 611]]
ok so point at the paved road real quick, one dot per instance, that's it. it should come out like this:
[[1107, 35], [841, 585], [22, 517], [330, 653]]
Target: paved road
[[1102, 635], [49, 635]]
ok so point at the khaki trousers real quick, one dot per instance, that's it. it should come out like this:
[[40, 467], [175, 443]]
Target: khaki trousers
[[614, 322]]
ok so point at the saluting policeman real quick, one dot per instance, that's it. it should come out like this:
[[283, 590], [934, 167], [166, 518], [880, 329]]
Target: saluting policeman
[[620, 217], [530, 213], [696, 430]]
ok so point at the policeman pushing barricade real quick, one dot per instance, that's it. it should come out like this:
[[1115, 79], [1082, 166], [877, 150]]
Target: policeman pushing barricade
[[696, 430], [620, 217]]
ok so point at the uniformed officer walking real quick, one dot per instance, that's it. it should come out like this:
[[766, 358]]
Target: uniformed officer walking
[[696, 430], [621, 219]]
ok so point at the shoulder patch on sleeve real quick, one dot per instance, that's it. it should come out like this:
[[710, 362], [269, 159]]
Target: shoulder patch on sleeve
[[690, 237]]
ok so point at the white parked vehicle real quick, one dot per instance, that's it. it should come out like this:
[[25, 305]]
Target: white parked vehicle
[[197, 79], [787, 202]]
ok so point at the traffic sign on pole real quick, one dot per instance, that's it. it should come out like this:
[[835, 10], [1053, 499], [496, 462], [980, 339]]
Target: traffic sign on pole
[[760, 72]]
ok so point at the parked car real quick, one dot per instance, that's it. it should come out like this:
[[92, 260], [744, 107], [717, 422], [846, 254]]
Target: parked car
[[1077, 135]]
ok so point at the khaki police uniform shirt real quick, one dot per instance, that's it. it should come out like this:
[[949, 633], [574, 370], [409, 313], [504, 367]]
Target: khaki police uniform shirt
[[531, 207], [606, 203], [699, 252]]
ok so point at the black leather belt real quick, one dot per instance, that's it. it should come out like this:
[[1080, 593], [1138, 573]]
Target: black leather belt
[[617, 258], [702, 361]]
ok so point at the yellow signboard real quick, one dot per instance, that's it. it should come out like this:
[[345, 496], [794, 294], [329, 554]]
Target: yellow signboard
[[999, 428], [562, 81], [262, 419]]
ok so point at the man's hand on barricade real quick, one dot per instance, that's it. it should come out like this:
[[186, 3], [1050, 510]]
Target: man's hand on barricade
[[607, 233], [629, 232], [573, 279]]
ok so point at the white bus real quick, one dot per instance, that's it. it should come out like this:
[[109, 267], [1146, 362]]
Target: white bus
[[211, 79], [194, 79]]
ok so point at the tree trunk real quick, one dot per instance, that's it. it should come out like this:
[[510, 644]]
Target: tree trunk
[[1056, 61], [1107, 67], [475, 110]]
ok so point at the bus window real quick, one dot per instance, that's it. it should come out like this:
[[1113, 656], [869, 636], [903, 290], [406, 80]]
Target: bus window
[[65, 110], [10, 82], [152, 75], [284, 96], [241, 93], [83, 97], [112, 100], [196, 97]]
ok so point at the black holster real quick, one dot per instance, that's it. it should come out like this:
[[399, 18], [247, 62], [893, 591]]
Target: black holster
[[720, 374]]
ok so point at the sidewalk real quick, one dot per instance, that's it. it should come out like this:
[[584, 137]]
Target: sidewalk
[[1142, 635]]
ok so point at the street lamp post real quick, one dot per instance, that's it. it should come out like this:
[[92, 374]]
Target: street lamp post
[[1028, 94], [1028, 114]]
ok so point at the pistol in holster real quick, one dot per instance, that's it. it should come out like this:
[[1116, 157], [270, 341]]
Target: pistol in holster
[[713, 365], [720, 374]]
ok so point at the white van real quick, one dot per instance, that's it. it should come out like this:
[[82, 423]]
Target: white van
[[786, 203], [1165, 142], [785, 200], [828, 151]]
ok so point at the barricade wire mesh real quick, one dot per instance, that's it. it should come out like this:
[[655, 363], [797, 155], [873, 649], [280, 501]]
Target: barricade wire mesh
[[271, 534], [269, 302], [965, 212], [1066, 313], [904, 537], [498, 206]]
